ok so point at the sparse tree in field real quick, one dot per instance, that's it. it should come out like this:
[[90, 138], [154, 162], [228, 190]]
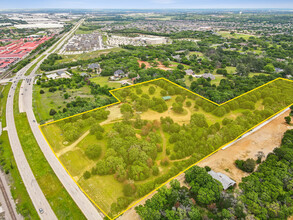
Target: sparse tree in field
[[163, 92], [52, 112], [93, 151], [126, 108], [86, 175], [152, 90], [42, 91]]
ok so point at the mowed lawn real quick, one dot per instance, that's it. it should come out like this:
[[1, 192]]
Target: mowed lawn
[[103, 81]]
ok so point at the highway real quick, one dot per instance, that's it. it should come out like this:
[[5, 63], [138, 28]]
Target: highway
[[85, 205], [31, 184], [34, 191]]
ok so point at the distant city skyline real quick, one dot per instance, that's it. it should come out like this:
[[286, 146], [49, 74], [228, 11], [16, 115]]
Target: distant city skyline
[[146, 4]]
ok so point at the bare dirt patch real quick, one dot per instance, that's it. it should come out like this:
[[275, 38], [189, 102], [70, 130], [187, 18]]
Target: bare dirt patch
[[148, 65]]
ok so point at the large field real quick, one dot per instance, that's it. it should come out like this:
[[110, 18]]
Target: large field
[[121, 153]]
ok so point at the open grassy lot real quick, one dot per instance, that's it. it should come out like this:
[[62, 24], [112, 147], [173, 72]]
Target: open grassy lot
[[103, 81], [172, 134], [227, 34], [42, 103], [59, 199]]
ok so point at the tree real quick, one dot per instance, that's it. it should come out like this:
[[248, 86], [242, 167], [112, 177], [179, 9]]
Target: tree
[[42, 91], [180, 67], [93, 151], [269, 68], [52, 112], [143, 66], [288, 119], [129, 189], [66, 96], [126, 108], [152, 90], [188, 103], [86, 175], [155, 170]]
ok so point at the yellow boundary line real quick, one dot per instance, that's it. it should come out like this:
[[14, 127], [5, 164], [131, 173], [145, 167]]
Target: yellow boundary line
[[111, 91]]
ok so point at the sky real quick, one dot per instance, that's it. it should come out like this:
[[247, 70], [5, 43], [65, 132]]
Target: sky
[[144, 4]]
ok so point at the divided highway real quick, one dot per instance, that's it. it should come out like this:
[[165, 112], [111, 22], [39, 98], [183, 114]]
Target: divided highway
[[25, 100]]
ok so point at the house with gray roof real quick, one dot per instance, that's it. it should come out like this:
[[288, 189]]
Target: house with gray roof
[[94, 66], [118, 73], [208, 75], [222, 178], [189, 72]]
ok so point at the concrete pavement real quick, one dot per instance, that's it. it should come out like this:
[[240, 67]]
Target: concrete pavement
[[31, 184]]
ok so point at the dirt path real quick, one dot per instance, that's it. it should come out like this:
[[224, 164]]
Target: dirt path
[[265, 139], [72, 146]]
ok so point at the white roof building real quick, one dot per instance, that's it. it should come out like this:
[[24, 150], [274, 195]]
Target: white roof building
[[225, 180]]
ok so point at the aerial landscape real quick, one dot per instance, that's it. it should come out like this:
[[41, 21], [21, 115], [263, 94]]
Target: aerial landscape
[[154, 110]]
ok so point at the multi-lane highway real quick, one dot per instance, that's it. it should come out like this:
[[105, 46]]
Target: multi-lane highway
[[25, 100]]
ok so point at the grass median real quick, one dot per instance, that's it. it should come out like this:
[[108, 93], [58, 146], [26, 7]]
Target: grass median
[[23, 202], [62, 204], [4, 89]]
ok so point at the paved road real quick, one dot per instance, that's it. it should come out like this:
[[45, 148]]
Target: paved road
[[31, 184], [88, 209]]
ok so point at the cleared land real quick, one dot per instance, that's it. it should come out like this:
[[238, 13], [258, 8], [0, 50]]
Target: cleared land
[[191, 128]]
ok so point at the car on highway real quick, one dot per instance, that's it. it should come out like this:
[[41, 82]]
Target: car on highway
[[41, 210]]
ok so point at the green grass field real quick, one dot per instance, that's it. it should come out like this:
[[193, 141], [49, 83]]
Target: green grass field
[[103, 81], [227, 34]]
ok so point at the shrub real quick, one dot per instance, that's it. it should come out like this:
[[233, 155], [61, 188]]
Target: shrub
[[155, 170], [247, 165], [52, 112], [152, 90], [129, 189], [165, 161], [288, 120], [86, 175]]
